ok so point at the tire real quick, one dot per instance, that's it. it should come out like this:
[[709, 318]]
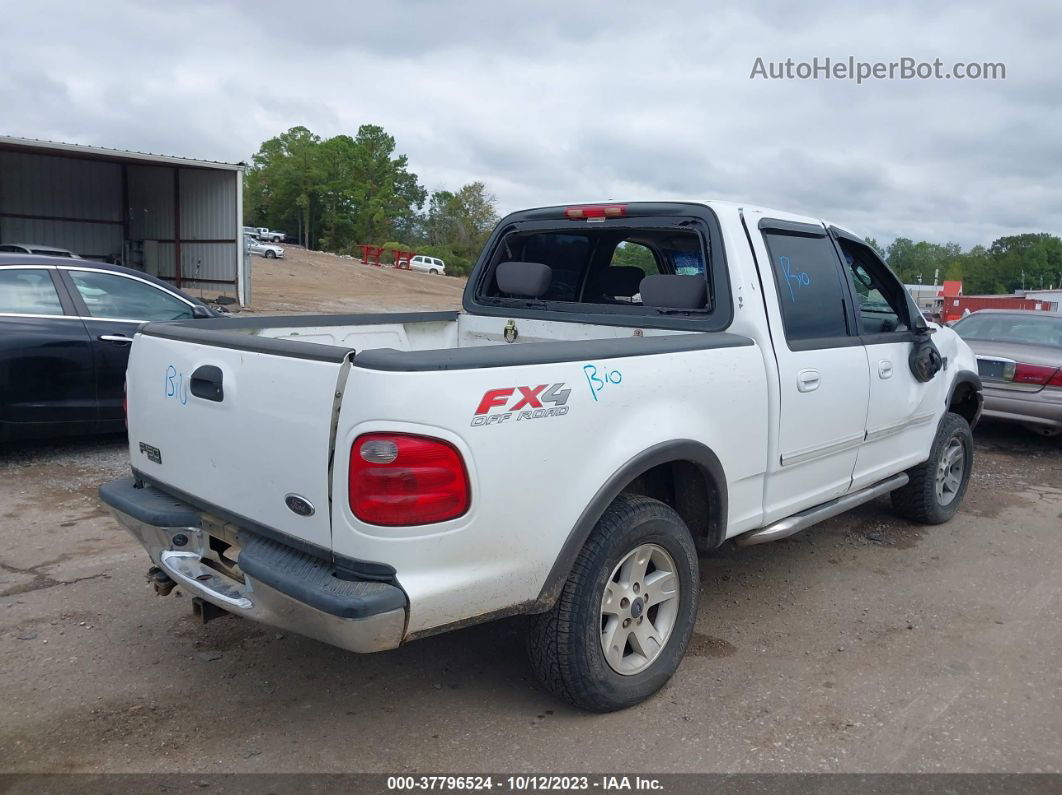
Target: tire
[[566, 644], [433, 272], [270, 255], [921, 500]]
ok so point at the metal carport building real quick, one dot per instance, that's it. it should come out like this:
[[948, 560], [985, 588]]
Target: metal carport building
[[176, 218]]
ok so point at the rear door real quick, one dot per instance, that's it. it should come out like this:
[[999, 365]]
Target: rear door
[[46, 366], [234, 426], [822, 368], [114, 305]]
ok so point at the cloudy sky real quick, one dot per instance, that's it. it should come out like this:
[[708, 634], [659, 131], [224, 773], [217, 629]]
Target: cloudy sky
[[556, 102]]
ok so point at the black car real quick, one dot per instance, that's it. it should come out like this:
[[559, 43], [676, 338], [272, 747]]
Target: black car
[[65, 330]]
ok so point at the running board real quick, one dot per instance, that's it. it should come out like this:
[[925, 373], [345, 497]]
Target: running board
[[801, 521]]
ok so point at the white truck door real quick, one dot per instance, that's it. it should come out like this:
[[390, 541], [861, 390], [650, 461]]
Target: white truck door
[[903, 411], [822, 367]]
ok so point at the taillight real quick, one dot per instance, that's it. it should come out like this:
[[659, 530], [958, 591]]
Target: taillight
[[595, 211], [1057, 379], [399, 479], [1036, 374]]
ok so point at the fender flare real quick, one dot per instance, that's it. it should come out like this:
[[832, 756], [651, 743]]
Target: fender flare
[[663, 453], [974, 380]]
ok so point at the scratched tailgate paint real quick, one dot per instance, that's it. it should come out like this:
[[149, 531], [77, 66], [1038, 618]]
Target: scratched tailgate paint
[[267, 438]]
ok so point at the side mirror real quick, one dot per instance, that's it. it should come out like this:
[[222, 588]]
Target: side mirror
[[200, 312]]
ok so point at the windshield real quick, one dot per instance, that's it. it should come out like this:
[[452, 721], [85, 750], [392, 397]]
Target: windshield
[[1028, 328]]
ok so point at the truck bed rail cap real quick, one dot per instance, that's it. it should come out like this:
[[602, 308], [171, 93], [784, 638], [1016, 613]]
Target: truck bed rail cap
[[241, 333], [526, 353]]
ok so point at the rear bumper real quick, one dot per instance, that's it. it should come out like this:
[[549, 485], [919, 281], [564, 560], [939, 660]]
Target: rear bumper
[[280, 586], [1043, 408]]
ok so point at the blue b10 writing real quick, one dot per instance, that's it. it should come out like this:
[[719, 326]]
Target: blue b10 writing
[[598, 378]]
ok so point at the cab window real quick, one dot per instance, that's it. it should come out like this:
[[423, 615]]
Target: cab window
[[880, 298], [107, 295], [28, 292]]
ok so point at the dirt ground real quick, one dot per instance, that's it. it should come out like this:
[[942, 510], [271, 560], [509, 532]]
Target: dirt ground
[[339, 284], [864, 644]]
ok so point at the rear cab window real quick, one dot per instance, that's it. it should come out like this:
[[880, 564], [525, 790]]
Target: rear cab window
[[597, 267]]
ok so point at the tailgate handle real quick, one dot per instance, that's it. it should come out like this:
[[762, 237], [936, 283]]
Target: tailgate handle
[[206, 383]]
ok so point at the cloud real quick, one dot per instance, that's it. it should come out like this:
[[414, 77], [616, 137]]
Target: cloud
[[550, 102]]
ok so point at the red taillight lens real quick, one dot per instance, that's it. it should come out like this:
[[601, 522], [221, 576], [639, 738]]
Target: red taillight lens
[[1057, 379], [595, 211], [399, 479], [1032, 374]]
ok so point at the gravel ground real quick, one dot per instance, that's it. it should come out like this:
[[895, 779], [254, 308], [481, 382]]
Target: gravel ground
[[865, 644]]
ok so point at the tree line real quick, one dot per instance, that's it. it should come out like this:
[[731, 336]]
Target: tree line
[[1030, 261], [336, 194]]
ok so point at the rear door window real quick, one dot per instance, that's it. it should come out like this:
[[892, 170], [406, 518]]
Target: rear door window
[[810, 288], [28, 292]]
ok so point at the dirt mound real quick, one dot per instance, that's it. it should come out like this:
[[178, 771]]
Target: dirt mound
[[313, 281]]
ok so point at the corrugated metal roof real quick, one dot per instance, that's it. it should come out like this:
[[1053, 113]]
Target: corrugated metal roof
[[102, 152]]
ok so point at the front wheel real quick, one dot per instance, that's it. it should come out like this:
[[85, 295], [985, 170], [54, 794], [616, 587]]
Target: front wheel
[[936, 488], [433, 272], [270, 255], [624, 618]]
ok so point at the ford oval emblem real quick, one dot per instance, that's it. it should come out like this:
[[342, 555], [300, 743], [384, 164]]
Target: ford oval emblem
[[299, 505]]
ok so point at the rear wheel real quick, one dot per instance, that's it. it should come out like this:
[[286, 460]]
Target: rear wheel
[[623, 620], [937, 487]]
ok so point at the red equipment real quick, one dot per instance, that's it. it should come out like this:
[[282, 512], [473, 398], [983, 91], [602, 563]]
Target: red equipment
[[370, 255]]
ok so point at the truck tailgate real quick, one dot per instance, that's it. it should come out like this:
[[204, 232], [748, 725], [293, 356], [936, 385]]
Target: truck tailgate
[[237, 429]]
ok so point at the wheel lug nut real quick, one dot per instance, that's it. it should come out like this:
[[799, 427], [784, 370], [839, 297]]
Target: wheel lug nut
[[626, 623], [637, 587], [625, 602]]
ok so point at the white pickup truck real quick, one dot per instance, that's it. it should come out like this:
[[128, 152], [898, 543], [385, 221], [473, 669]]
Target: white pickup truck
[[266, 235], [560, 448]]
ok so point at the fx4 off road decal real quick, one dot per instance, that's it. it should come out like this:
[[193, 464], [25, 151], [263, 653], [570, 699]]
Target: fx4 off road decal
[[519, 403]]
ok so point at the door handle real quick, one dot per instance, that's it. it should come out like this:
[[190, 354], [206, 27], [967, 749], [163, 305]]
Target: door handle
[[206, 383], [807, 380], [115, 338], [884, 369]]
